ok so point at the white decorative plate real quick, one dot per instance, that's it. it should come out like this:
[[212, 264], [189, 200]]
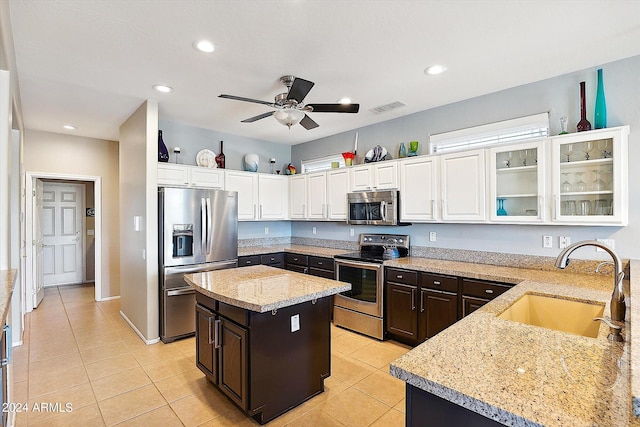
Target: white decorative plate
[[206, 158]]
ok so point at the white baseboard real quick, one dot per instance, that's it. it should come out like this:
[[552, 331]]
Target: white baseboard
[[146, 341], [109, 298]]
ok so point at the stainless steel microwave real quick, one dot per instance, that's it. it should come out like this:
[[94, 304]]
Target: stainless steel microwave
[[374, 208]]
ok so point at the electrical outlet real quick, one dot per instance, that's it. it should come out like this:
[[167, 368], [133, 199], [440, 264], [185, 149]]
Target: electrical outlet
[[564, 241], [313, 230], [266, 230], [295, 322], [432, 236], [609, 242], [352, 232], [547, 242]]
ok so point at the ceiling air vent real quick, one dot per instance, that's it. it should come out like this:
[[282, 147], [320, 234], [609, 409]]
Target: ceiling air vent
[[387, 107]]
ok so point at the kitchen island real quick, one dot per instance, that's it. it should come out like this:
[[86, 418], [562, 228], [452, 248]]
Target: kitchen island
[[263, 335]]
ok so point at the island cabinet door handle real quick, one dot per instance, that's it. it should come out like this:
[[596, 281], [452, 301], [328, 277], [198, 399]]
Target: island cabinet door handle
[[413, 299], [436, 282], [398, 276], [216, 337], [421, 300], [488, 291], [210, 328]]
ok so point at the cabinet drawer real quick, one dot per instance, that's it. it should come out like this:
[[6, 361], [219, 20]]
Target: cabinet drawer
[[270, 259], [245, 261], [402, 276], [321, 263], [479, 288], [327, 274], [296, 259], [237, 314], [441, 283]]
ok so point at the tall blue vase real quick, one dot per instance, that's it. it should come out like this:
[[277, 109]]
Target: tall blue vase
[[600, 116]]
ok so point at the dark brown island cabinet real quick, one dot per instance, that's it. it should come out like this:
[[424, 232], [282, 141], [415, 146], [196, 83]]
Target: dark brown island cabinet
[[419, 305], [272, 259], [257, 360]]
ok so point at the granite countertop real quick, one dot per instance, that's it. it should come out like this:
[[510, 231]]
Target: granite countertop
[[519, 374], [298, 249], [261, 288], [7, 281]]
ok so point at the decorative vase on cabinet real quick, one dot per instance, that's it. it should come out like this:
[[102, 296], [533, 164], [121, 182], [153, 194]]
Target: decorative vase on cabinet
[[600, 116], [501, 211], [403, 150], [583, 124], [163, 153], [220, 157]]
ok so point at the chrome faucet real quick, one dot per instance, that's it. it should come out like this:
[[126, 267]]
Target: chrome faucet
[[618, 307]]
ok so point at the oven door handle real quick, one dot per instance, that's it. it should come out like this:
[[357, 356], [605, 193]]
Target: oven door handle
[[340, 262]]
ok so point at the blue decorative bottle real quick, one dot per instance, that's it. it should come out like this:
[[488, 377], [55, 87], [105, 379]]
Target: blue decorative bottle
[[403, 150], [600, 116]]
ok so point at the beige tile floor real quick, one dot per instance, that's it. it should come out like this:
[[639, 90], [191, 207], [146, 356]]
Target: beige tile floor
[[81, 352]]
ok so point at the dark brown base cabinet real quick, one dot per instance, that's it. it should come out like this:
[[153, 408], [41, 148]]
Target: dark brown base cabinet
[[272, 260], [476, 293], [419, 305], [255, 359], [424, 409]]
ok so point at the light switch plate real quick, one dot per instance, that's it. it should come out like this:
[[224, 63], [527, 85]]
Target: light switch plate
[[432, 236], [295, 322]]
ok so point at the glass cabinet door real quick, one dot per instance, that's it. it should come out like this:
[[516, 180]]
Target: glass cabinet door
[[590, 177], [518, 183]]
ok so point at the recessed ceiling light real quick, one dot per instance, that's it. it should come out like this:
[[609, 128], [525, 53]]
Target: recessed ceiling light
[[435, 69], [70, 127], [204, 46], [345, 101], [163, 88]]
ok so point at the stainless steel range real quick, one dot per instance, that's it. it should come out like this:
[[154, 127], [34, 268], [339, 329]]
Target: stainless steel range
[[362, 308]]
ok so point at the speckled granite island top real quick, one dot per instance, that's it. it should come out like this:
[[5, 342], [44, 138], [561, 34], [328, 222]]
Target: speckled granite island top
[[261, 288], [524, 375]]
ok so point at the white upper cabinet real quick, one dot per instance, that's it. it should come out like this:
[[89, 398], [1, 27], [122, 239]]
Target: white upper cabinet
[[189, 176], [419, 189], [298, 197], [590, 177], [246, 184], [337, 189], [260, 196], [273, 191], [374, 176], [517, 182], [316, 196], [463, 192]]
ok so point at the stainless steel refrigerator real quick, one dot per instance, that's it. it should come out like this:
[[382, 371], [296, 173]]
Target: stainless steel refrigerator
[[198, 231]]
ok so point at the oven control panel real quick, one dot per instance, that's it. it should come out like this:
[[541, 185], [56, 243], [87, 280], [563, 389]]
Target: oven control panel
[[397, 240]]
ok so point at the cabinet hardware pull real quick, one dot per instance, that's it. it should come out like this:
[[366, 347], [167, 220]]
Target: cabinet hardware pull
[[255, 210], [295, 259], [8, 344], [489, 291], [442, 209], [314, 301], [556, 201], [433, 209], [413, 299], [260, 210], [435, 282], [274, 311], [217, 334], [319, 262], [210, 337], [421, 300], [398, 276]]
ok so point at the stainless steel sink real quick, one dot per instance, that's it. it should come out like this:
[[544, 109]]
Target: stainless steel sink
[[557, 313]]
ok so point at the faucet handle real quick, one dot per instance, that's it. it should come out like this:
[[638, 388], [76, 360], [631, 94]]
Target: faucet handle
[[615, 331], [602, 264]]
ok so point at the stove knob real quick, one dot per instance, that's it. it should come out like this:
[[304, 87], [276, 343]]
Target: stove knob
[[400, 241]]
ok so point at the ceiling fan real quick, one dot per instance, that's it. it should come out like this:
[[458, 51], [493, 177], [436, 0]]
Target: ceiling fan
[[289, 107]]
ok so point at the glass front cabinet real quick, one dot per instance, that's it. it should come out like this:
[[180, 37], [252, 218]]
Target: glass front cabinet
[[517, 183], [589, 179]]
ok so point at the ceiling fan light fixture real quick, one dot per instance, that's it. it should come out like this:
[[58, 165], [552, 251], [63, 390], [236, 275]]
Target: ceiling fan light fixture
[[289, 116], [204, 46]]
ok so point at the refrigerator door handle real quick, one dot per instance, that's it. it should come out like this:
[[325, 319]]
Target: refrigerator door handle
[[203, 225], [209, 220]]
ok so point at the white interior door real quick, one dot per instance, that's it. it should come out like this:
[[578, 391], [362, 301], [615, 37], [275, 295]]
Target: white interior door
[[37, 245], [61, 222]]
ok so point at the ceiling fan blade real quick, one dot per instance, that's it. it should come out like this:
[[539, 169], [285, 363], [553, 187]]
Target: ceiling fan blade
[[299, 89], [334, 108], [240, 98], [255, 118], [308, 123]]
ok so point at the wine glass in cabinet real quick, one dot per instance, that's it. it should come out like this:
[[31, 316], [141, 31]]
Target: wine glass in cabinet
[[600, 177], [517, 188]]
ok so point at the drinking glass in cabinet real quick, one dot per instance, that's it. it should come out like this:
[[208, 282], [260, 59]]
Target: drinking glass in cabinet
[[598, 184], [567, 150], [587, 148], [523, 156], [566, 185], [584, 207], [605, 146], [580, 185], [569, 207]]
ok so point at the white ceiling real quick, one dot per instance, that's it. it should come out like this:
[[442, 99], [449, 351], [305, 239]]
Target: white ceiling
[[92, 63]]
